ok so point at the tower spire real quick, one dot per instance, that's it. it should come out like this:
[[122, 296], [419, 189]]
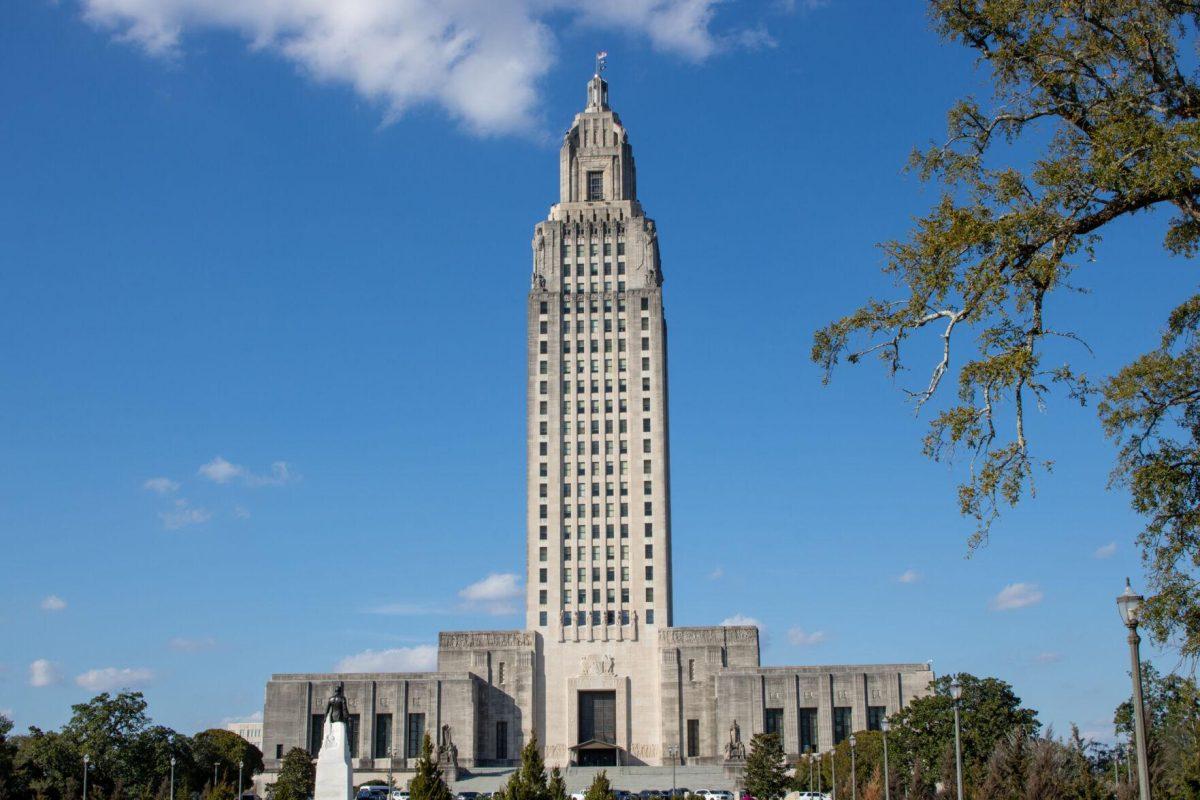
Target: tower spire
[[597, 86]]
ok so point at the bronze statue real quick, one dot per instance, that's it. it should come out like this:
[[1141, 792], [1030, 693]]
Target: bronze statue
[[336, 709]]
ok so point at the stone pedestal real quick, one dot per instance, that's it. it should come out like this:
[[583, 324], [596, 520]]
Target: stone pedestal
[[335, 778]]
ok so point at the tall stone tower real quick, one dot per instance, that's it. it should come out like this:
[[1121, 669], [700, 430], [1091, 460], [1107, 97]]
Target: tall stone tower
[[599, 512]]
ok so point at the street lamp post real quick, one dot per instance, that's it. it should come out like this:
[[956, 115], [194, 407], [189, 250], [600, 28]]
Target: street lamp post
[[172, 777], [833, 777], [1130, 605], [239, 794], [214, 783], [672, 753], [853, 770], [820, 768], [887, 784], [86, 760], [809, 759], [956, 690]]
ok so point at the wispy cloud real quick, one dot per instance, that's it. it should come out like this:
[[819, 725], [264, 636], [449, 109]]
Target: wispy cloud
[[219, 470], [53, 602], [801, 638], [1017, 595], [1047, 658], [908, 576], [184, 514], [422, 658], [716, 574], [1105, 551], [107, 679], [495, 594], [742, 619], [185, 644], [163, 486], [482, 63], [43, 672]]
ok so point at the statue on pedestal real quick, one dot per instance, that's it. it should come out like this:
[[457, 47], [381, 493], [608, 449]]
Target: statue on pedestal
[[335, 777], [736, 748]]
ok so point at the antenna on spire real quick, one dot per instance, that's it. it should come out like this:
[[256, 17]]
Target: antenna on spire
[[601, 61]]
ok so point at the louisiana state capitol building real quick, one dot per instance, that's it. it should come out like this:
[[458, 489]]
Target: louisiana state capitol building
[[600, 674]]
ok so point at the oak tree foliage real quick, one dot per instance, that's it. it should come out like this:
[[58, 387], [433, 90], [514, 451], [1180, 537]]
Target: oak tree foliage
[[1105, 92]]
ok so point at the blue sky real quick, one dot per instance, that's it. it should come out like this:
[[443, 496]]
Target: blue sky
[[278, 261]]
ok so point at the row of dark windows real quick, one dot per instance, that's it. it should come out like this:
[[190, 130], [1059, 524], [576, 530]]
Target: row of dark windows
[[842, 715], [580, 618], [591, 247], [382, 746], [594, 269], [544, 307]]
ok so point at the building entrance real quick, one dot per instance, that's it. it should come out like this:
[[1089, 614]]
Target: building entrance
[[597, 730]]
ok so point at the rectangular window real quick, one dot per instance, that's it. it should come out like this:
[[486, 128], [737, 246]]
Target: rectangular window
[[693, 738], [416, 732], [773, 723], [501, 740], [875, 717], [383, 735], [595, 185], [649, 616], [808, 730], [542, 618], [352, 735], [316, 732], [278, 752], [841, 724]]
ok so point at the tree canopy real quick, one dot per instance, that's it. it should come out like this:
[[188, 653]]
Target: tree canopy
[[1106, 95], [766, 775], [428, 783]]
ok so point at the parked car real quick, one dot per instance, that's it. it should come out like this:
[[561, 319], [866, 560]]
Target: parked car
[[715, 794], [467, 796], [400, 794], [372, 793]]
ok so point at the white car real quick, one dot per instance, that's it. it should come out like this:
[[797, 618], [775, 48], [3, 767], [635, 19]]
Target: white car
[[716, 794]]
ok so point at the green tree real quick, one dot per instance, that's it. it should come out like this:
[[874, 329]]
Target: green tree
[[296, 777], [1107, 96], [224, 749], [556, 787], [11, 785], [766, 775], [427, 783], [1173, 732], [923, 732], [528, 782], [600, 789], [50, 764]]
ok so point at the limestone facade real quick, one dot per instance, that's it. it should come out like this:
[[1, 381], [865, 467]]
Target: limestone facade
[[599, 674]]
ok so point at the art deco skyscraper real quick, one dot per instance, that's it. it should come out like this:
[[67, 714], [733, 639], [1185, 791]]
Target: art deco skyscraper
[[599, 512]]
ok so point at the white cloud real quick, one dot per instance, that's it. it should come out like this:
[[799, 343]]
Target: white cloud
[[742, 619], [495, 594], [481, 62], [184, 644], [1047, 658], [183, 514], [53, 603], [908, 576], [241, 512], [799, 637], [163, 486], [256, 716], [1017, 595], [716, 574], [44, 673], [422, 658], [107, 679], [1105, 551], [221, 471]]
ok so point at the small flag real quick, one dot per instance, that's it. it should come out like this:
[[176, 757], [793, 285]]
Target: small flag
[[601, 59]]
